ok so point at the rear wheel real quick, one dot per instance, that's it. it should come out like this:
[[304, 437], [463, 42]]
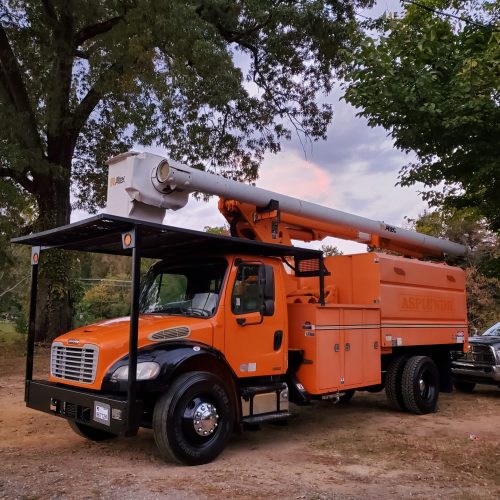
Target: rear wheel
[[193, 420], [420, 385], [393, 388], [464, 386], [90, 432]]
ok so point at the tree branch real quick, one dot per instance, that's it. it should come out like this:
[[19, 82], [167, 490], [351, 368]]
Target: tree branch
[[16, 90], [95, 30], [90, 101], [22, 180]]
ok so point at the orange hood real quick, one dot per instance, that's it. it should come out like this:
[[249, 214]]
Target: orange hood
[[112, 338]]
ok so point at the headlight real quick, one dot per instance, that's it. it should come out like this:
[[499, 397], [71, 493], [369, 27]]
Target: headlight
[[145, 371]]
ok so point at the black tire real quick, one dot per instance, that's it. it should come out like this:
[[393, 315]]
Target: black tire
[[174, 419], [393, 381], [420, 385], [347, 396], [463, 386], [90, 433]]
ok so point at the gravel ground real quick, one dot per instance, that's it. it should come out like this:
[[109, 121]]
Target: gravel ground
[[358, 450]]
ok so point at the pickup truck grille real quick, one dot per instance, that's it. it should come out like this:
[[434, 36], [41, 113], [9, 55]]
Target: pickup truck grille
[[74, 363], [480, 354]]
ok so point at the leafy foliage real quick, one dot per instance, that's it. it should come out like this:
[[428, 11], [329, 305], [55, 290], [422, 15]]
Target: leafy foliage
[[220, 230], [107, 299], [16, 214], [213, 81], [330, 250], [216, 82], [433, 82]]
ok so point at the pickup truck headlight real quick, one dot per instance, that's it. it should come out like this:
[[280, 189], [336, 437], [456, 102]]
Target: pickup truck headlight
[[147, 370], [497, 352]]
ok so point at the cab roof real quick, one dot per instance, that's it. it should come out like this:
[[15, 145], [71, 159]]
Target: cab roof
[[103, 234]]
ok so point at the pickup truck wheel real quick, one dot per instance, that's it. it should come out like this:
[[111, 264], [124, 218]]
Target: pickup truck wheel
[[420, 385], [193, 420], [90, 433], [464, 386], [393, 382]]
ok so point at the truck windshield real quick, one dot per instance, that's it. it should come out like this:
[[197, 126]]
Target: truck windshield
[[183, 289]]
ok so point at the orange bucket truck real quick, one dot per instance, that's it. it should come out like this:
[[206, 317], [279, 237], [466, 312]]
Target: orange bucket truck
[[227, 330]]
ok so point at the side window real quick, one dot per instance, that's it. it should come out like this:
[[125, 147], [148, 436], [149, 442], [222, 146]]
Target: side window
[[246, 296]]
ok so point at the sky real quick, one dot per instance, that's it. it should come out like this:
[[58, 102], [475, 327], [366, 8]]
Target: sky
[[355, 170]]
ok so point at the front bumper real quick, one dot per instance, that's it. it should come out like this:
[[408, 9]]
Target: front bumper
[[478, 373], [101, 411]]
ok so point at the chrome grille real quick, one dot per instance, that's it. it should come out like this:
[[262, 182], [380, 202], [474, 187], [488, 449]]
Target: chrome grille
[[74, 363], [178, 332], [480, 354]]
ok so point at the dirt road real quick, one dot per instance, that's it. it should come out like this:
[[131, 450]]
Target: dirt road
[[359, 450]]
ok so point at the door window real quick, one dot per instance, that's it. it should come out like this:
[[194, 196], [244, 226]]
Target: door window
[[246, 296]]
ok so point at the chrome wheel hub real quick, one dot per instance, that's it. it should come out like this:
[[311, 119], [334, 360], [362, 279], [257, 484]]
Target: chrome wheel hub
[[205, 419], [422, 386]]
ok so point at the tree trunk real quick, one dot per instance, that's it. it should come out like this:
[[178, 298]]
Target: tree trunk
[[54, 308]]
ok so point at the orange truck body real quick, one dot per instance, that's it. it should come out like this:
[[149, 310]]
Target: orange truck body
[[373, 303]]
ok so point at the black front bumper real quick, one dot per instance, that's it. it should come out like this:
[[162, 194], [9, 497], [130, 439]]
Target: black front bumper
[[107, 412]]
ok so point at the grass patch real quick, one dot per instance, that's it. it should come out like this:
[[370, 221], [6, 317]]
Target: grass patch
[[9, 337]]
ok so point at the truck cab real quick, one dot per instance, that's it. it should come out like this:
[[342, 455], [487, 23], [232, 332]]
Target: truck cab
[[207, 339], [481, 363]]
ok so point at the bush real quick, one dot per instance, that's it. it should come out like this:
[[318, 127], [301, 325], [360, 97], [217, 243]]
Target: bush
[[21, 323], [103, 301]]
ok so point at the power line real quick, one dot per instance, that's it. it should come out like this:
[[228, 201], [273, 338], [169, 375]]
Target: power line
[[447, 14]]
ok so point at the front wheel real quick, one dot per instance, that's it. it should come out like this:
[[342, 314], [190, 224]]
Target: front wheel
[[193, 420], [420, 384]]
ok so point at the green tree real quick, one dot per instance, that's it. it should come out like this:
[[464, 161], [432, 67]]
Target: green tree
[[110, 298], [220, 230], [330, 250], [433, 81], [16, 212], [482, 264], [216, 82]]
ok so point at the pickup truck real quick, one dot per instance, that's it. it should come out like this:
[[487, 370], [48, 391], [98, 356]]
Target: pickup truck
[[481, 363]]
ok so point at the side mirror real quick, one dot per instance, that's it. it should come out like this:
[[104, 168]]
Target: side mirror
[[266, 283]]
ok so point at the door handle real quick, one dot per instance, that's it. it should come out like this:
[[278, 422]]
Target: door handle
[[336, 347], [278, 339], [347, 347]]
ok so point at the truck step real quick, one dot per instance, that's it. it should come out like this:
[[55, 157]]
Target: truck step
[[266, 417], [260, 389]]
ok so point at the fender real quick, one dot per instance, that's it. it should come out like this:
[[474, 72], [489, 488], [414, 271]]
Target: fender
[[174, 358]]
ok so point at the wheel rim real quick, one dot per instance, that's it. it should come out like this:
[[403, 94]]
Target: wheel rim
[[200, 420], [205, 419], [426, 386]]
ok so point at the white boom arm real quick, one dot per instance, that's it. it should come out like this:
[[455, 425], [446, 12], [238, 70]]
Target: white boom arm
[[162, 183]]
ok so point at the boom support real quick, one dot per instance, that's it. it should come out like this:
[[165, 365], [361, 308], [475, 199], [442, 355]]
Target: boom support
[[257, 213]]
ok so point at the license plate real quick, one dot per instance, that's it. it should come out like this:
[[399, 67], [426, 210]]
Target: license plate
[[102, 413]]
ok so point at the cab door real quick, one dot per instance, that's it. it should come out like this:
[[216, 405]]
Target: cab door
[[255, 320]]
